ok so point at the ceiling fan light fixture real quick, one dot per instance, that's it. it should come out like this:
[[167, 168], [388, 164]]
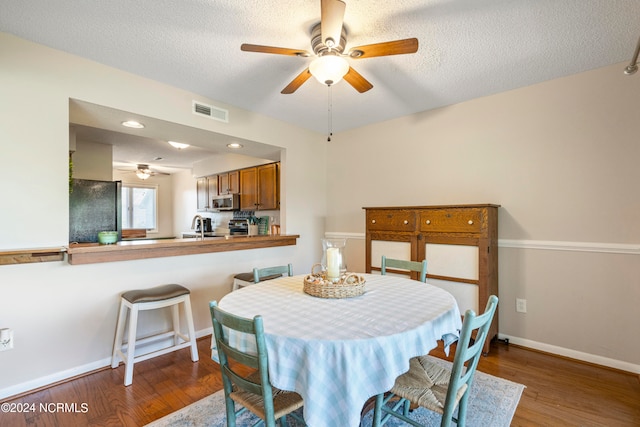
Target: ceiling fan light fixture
[[178, 145], [143, 172], [329, 69]]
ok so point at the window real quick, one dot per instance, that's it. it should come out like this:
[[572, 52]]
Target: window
[[140, 206]]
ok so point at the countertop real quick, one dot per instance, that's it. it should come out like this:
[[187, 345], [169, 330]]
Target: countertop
[[87, 253]]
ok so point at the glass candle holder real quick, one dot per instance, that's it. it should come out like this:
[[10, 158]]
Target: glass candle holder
[[333, 261]]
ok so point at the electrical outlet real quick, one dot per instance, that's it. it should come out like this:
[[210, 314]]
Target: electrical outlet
[[6, 339], [521, 305]]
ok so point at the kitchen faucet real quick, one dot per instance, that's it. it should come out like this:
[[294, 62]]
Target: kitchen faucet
[[193, 225]]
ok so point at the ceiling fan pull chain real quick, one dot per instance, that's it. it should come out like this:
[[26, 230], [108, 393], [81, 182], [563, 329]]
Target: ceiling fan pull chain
[[330, 124]]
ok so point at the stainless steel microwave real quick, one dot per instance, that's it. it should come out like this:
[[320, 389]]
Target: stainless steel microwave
[[226, 202]]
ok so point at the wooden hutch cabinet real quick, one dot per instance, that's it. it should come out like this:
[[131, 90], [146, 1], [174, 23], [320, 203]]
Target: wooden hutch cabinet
[[459, 242]]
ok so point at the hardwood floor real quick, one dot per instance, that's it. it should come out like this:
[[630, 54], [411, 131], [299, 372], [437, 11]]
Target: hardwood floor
[[559, 392]]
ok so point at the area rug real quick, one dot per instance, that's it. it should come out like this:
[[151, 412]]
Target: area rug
[[492, 402]]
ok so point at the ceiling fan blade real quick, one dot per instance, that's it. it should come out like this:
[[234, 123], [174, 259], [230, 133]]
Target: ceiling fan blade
[[397, 47], [297, 82], [271, 49], [332, 17], [356, 80]]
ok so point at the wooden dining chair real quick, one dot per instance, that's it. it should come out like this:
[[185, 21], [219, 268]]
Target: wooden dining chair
[[418, 266], [254, 391], [267, 273], [435, 387]]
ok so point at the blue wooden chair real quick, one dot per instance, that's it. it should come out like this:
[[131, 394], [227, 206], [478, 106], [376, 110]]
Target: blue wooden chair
[[432, 386], [418, 266], [268, 273], [254, 391]]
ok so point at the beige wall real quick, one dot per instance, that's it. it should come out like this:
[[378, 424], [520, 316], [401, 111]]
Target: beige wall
[[561, 158], [63, 316]]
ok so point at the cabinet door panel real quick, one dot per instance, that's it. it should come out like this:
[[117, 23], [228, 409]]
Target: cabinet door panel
[[234, 182], [223, 183], [202, 189], [397, 250], [248, 189], [465, 294], [459, 261], [268, 187]]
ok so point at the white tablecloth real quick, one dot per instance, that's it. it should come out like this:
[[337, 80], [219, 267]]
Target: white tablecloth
[[337, 353]]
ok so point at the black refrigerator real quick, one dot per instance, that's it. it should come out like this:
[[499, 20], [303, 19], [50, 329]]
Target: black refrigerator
[[94, 206]]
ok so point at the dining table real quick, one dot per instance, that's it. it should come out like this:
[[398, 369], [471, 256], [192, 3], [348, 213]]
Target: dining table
[[339, 352]]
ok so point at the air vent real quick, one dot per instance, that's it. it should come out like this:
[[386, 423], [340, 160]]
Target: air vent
[[210, 111]]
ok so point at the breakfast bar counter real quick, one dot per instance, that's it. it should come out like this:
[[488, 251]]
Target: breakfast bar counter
[[89, 253]]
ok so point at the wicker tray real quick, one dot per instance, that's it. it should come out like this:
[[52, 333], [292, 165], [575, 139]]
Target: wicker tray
[[349, 285]]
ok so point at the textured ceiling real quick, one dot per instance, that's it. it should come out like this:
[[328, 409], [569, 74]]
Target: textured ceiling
[[468, 48]]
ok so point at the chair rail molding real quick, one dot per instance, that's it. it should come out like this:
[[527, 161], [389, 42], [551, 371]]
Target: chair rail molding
[[549, 245], [552, 245], [344, 235]]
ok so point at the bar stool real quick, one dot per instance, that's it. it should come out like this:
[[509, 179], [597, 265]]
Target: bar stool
[[151, 299]]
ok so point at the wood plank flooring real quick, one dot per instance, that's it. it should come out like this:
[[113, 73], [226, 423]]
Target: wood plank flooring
[[559, 392]]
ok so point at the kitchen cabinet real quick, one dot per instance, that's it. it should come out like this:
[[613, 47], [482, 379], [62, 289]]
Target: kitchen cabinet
[[206, 188], [229, 183], [459, 242], [260, 187]]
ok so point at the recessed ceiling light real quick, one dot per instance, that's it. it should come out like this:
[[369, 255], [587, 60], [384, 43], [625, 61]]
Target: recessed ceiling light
[[178, 145], [133, 124], [234, 145]]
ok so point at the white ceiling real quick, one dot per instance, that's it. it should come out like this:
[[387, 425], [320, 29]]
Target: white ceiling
[[468, 48]]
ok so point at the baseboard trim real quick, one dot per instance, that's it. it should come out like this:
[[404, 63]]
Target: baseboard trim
[[62, 376], [573, 354]]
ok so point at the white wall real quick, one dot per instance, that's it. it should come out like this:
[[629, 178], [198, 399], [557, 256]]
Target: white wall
[[63, 316], [561, 158], [92, 160]]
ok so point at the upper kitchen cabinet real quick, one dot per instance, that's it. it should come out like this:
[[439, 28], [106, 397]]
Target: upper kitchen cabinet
[[260, 187], [229, 183], [206, 188]]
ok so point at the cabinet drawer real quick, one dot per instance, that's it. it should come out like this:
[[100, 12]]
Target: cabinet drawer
[[452, 220], [391, 220]]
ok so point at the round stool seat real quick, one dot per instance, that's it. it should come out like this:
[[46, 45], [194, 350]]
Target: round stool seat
[[158, 293], [248, 277]]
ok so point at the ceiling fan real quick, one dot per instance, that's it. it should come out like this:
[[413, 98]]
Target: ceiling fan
[[328, 41], [143, 172]]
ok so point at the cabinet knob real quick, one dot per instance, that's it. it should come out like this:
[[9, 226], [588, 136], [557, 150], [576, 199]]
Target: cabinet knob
[[373, 221], [428, 221], [470, 222], [406, 222]]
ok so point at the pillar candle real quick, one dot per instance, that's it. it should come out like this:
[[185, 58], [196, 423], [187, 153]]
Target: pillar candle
[[333, 263]]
